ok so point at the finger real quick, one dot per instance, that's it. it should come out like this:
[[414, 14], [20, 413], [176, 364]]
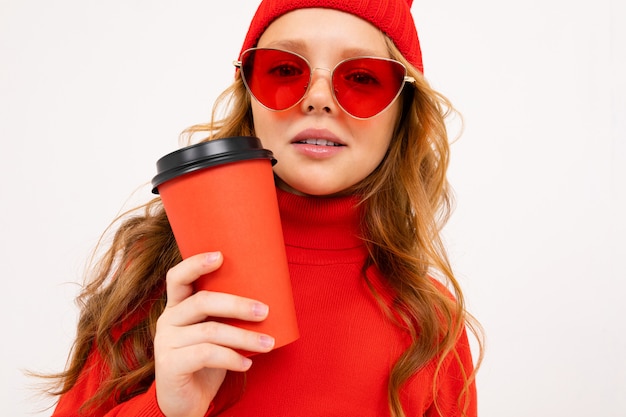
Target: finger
[[180, 278], [191, 359], [203, 304], [222, 334]]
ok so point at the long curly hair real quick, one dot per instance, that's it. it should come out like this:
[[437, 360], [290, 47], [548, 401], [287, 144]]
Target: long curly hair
[[407, 201]]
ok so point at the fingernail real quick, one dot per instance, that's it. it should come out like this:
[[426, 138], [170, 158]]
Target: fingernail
[[212, 257], [266, 341], [260, 309], [246, 362]]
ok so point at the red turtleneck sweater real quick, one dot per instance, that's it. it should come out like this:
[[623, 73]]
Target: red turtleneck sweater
[[340, 364]]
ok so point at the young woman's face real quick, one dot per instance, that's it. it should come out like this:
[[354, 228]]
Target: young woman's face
[[320, 167]]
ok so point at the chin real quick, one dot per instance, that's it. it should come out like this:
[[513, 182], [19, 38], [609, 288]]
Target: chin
[[307, 189]]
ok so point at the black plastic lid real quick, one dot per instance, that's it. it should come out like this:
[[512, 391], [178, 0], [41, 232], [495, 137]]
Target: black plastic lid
[[208, 154]]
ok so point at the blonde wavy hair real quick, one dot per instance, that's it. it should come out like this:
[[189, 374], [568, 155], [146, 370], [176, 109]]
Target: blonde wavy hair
[[407, 202]]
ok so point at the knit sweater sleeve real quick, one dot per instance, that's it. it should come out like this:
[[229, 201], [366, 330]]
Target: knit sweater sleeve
[[453, 397], [70, 403]]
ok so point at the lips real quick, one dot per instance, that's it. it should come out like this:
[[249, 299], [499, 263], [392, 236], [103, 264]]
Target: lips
[[318, 137], [319, 142]]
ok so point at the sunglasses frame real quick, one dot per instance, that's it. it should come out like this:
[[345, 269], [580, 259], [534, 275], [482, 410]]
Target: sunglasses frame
[[407, 79]]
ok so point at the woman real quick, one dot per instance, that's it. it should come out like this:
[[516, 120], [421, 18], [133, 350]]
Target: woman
[[335, 90]]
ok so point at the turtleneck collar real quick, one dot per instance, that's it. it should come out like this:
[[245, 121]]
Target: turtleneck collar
[[331, 223]]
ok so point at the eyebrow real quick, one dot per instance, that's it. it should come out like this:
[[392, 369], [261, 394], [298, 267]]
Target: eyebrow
[[292, 45], [301, 48]]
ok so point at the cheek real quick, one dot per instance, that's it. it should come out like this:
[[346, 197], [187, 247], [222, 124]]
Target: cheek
[[381, 151], [266, 123], [258, 118], [268, 127], [382, 136]]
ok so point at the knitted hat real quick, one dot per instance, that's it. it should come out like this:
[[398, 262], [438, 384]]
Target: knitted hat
[[393, 17]]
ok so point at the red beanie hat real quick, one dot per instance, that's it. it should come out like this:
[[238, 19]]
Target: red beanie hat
[[393, 17]]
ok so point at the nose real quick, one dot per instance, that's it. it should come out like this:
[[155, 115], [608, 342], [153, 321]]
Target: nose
[[319, 97]]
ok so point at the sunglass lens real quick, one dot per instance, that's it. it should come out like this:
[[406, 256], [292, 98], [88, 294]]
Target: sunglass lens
[[277, 79], [366, 86]]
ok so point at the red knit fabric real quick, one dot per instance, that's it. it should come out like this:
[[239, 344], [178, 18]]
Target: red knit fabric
[[341, 363], [393, 17]]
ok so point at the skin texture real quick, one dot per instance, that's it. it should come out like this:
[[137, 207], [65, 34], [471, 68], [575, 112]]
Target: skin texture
[[192, 355], [324, 37]]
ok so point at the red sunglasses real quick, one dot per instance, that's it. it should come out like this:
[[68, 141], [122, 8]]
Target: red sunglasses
[[362, 86]]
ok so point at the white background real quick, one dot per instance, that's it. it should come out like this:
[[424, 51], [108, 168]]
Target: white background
[[93, 92]]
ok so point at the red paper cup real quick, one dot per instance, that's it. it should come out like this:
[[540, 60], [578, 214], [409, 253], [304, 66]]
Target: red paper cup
[[220, 196]]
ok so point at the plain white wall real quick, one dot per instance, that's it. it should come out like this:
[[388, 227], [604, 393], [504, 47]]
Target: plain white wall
[[92, 93]]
